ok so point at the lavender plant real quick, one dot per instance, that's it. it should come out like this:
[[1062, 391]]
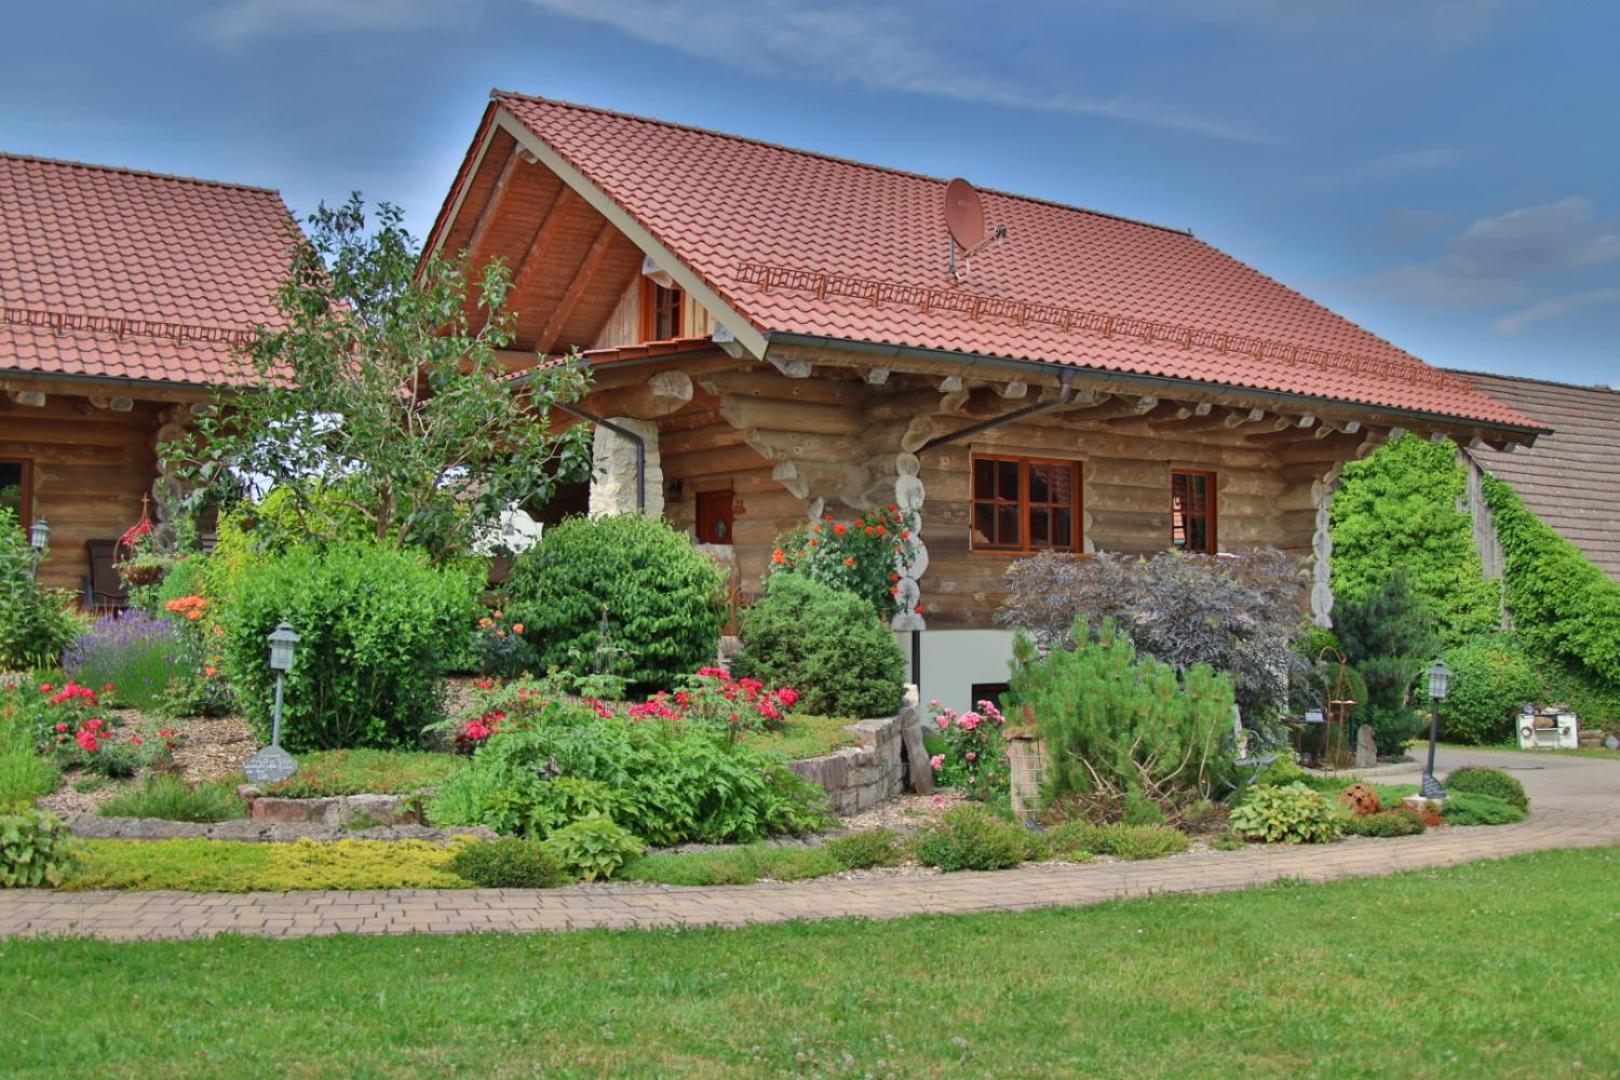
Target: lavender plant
[[132, 657]]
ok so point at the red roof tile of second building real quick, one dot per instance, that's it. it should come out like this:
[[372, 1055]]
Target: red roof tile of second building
[[117, 273], [1139, 298]]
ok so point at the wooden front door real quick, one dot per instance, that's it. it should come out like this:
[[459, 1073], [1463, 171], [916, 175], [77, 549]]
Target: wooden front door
[[714, 517]]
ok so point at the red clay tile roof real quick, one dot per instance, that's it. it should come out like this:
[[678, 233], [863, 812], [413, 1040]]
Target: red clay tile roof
[[1568, 478], [1070, 286], [117, 273]]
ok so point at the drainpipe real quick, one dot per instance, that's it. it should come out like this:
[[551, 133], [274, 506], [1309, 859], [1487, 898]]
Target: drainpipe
[[636, 440], [1065, 395]]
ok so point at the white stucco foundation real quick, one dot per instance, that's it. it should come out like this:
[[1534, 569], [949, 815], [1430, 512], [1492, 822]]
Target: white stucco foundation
[[954, 660]]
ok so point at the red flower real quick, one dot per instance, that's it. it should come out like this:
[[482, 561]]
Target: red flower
[[849, 560], [840, 528], [778, 556]]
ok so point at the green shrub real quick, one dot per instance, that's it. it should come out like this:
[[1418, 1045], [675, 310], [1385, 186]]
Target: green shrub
[[508, 863], [732, 866], [660, 595], [826, 644], [35, 850], [1470, 808], [668, 781], [1387, 636], [1490, 681], [1484, 780], [856, 556], [970, 837], [1122, 726], [1291, 813], [36, 624], [1402, 821], [172, 799], [865, 849], [1076, 838], [376, 623], [594, 847], [1142, 841], [24, 777], [1400, 509]]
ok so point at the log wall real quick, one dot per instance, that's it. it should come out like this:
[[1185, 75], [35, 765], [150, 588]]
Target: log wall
[[90, 467]]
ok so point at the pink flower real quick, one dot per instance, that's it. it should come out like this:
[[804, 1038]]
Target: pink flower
[[943, 721], [787, 697], [970, 720], [972, 756], [937, 761], [61, 727]]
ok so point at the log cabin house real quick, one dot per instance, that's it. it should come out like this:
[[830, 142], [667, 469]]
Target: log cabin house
[[122, 296], [776, 334]]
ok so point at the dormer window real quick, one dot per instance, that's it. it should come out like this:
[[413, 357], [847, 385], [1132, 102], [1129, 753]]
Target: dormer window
[[661, 312]]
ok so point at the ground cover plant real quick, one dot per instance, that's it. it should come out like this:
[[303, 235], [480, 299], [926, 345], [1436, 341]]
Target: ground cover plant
[[668, 1001], [735, 866], [233, 866], [803, 736], [824, 643], [365, 772], [1472, 808], [172, 799]]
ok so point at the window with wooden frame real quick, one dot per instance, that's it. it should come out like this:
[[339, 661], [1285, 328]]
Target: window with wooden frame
[[1192, 511], [662, 311], [1025, 504], [17, 489]]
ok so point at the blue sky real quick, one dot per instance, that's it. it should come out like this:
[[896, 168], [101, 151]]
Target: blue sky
[[1445, 172]]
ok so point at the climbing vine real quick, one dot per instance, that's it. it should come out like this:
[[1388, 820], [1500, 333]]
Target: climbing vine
[[1401, 509]]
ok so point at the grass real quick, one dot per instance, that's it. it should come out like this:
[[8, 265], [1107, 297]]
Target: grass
[[1298, 979], [366, 772], [24, 777], [172, 799], [1585, 751], [804, 736]]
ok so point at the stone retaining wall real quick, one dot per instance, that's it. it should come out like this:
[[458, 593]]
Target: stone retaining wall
[[859, 777], [94, 827]]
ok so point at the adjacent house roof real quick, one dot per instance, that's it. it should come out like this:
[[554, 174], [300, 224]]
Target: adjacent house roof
[[803, 244], [116, 273], [1569, 478]]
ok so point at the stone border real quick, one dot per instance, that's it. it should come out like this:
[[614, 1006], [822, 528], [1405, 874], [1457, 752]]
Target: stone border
[[860, 777], [95, 827], [346, 810]]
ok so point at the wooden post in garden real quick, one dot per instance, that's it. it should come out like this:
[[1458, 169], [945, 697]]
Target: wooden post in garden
[[1026, 760]]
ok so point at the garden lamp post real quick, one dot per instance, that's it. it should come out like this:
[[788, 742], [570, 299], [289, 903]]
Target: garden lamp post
[[1439, 687], [39, 538], [273, 763]]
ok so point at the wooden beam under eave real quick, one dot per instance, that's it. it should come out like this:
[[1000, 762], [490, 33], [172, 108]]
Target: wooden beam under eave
[[545, 234], [486, 213], [576, 289]]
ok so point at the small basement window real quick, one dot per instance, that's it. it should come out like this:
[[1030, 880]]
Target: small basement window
[[1025, 504], [1192, 511]]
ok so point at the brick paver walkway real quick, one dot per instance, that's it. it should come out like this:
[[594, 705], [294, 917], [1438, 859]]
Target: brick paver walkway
[[1576, 800]]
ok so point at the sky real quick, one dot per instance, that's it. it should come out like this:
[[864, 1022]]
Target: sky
[[1444, 172]]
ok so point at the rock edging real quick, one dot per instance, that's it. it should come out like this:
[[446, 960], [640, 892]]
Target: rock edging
[[860, 777], [95, 827]]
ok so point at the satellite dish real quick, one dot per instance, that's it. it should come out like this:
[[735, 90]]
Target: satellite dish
[[964, 214]]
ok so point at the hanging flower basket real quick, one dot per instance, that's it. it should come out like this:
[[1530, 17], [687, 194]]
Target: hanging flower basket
[[141, 573], [138, 560]]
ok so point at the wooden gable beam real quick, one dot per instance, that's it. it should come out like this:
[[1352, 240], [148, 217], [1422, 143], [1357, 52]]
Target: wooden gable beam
[[486, 213], [576, 289], [545, 234]]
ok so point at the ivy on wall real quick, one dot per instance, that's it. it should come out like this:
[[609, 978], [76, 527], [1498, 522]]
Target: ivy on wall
[[1563, 605], [1401, 508]]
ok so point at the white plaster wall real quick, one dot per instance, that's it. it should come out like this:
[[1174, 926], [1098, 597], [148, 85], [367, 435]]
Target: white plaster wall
[[953, 660]]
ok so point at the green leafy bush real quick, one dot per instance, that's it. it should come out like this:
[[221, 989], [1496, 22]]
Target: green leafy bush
[[1290, 813], [36, 624], [1401, 821], [1388, 638], [508, 863], [1490, 681], [824, 643], [172, 799], [24, 777], [668, 781], [1471, 808], [1565, 606], [865, 849], [594, 847], [1484, 780], [377, 625], [1399, 509], [35, 850], [1118, 725], [970, 837], [661, 596]]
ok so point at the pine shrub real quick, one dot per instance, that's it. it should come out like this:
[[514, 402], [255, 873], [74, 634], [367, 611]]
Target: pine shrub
[[1484, 780], [1388, 638], [824, 643], [1471, 808], [865, 849], [508, 863], [656, 596], [970, 837]]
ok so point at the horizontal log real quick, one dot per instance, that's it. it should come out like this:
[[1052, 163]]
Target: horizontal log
[[703, 438], [805, 446], [768, 384], [720, 459], [747, 412]]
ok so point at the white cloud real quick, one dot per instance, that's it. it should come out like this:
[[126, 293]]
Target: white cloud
[[1437, 24], [1547, 310], [1493, 260], [1387, 168], [242, 20]]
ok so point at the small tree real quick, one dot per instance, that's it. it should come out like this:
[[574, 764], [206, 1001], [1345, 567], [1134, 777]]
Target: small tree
[[380, 395], [1387, 637]]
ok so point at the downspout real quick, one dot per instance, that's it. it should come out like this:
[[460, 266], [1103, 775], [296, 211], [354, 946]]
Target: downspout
[[639, 443], [1065, 395]]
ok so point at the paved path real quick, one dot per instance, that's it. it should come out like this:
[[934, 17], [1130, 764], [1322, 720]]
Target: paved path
[[1576, 804]]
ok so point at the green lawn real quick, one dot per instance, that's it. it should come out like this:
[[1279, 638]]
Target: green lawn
[[1588, 752], [1495, 968]]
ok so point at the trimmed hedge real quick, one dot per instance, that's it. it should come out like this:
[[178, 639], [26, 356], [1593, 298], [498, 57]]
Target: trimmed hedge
[[1491, 679]]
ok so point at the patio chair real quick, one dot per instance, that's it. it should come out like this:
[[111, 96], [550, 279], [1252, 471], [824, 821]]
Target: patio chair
[[104, 592]]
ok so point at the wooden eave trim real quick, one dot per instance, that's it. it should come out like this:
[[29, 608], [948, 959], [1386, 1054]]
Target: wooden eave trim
[[588, 269], [693, 283]]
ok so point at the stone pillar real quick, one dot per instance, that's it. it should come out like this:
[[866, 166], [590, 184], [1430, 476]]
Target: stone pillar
[[908, 495], [1322, 549], [613, 470]]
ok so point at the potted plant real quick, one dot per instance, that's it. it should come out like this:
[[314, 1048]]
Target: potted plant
[[139, 561]]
